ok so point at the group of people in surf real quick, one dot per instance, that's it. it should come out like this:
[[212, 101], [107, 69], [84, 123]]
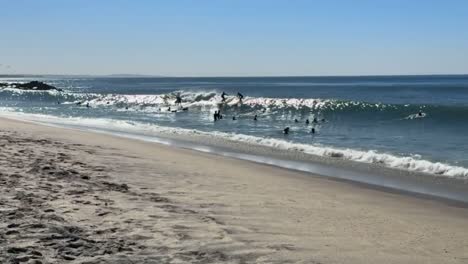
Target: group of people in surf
[[307, 122], [239, 96], [218, 116]]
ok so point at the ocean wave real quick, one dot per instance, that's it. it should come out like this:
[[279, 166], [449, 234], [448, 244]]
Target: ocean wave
[[410, 163], [191, 99], [211, 99]]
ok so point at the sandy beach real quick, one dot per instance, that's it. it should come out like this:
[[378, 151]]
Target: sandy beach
[[69, 196]]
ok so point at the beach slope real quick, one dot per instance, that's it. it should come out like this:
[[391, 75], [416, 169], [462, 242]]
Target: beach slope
[[81, 197]]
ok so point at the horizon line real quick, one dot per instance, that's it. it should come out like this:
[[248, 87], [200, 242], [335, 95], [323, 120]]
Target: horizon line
[[224, 76]]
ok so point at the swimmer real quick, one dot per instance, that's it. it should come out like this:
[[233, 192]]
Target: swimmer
[[312, 131], [296, 121], [215, 116], [255, 118], [307, 121], [286, 131], [315, 120], [234, 118]]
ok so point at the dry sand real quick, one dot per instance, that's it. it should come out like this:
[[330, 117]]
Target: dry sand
[[76, 197]]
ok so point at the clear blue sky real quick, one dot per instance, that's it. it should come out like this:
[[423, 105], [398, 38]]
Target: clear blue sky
[[226, 38]]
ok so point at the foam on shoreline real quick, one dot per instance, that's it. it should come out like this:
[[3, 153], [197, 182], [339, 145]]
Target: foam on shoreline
[[409, 163]]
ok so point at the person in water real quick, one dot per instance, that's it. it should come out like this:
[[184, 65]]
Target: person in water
[[307, 121], [255, 118], [420, 113], [296, 121], [286, 131], [223, 97], [312, 131], [234, 118], [178, 100], [240, 96], [215, 116], [315, 120], [87, 105]]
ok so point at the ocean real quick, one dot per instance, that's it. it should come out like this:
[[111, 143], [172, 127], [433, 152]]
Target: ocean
[[410, 123]]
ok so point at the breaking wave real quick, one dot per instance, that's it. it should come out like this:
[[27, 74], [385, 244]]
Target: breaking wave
[[192, 99], [413, 163]]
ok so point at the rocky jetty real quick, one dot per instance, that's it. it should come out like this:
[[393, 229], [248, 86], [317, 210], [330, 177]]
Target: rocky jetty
[[34, 85]]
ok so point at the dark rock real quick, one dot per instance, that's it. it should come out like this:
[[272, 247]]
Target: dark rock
[[34, 85]]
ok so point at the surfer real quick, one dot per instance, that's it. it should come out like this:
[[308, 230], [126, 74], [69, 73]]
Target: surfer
[[223, 97], [240, 96], [286, 131], [178, 100]]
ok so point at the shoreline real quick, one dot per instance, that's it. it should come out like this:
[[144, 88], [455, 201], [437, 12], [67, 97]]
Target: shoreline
[[431, 186], [183, 205]]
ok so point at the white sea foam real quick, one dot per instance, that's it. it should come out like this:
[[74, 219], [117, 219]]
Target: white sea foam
[[194, 99], [411, 163], [213, 99], [21, 92]]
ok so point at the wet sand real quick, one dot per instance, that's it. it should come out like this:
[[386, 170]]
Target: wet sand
[[68, 196]]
